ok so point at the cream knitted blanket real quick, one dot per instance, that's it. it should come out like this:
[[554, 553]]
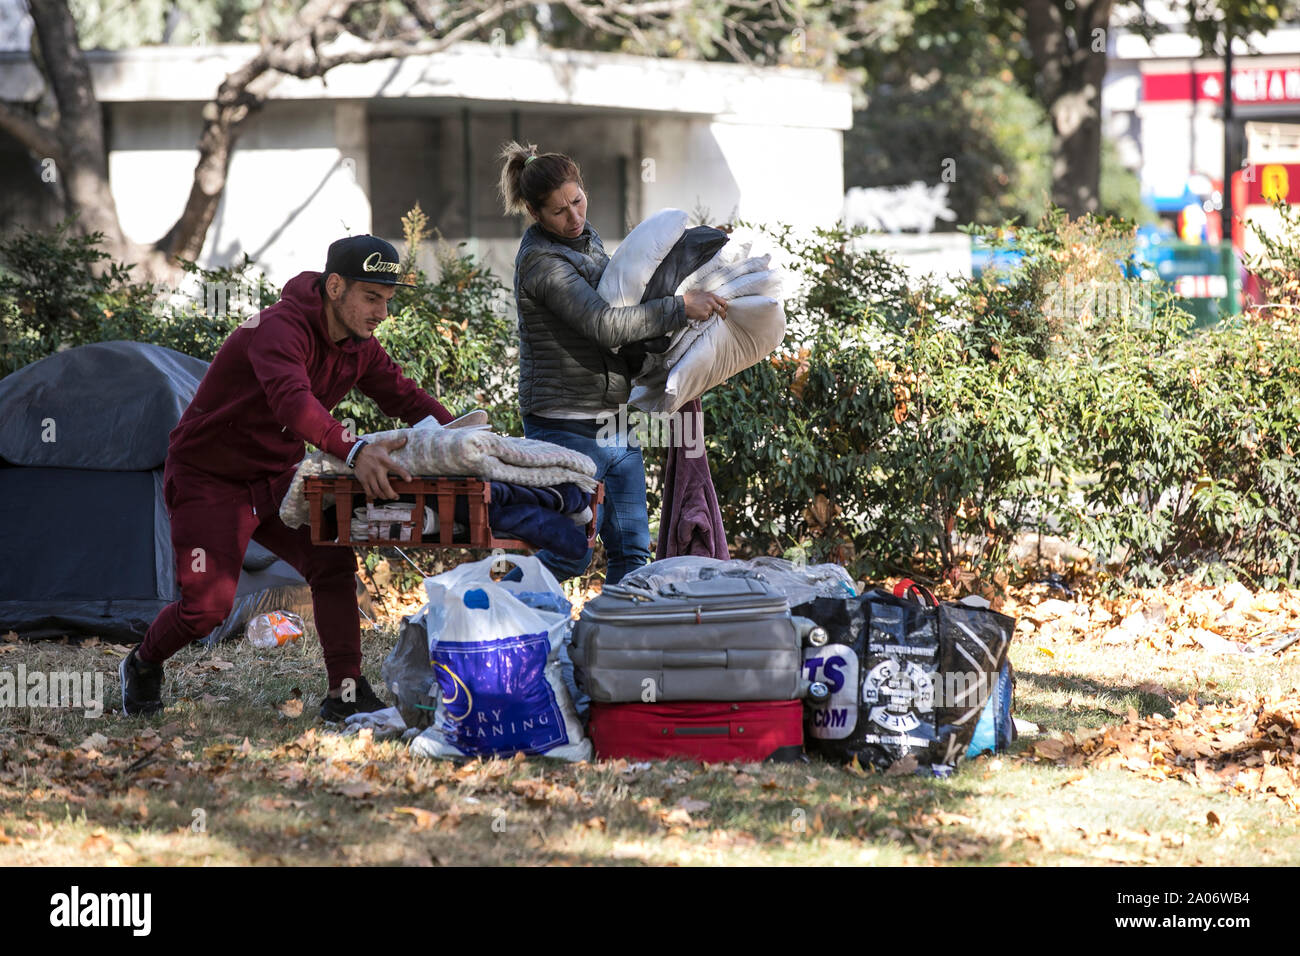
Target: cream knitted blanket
[[455, 452]]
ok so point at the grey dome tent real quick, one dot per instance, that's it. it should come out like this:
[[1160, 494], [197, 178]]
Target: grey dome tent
[[85, 544]]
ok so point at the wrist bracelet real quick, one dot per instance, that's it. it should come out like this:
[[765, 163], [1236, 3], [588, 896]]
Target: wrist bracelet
[[356, 449]]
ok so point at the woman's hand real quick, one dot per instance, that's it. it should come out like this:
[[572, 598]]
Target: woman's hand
[[701, 305]]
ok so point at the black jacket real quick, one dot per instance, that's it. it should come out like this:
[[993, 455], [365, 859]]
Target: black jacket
[[566, 330]]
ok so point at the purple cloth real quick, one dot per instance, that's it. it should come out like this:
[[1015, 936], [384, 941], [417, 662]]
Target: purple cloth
[[691, 522]]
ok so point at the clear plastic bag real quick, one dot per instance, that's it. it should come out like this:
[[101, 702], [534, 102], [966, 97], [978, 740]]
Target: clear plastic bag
[[799, 583], [407, 673]]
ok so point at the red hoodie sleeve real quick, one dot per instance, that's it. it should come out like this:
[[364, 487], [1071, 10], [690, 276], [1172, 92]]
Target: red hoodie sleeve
[[395, 394], [278, 353]]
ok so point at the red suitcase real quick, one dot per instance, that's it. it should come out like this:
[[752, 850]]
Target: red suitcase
[[696, 730]]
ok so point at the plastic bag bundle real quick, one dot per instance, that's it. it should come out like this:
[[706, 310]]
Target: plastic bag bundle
[[725, 276], [733, 252], [497, 668], [768, 282], [407, 673]]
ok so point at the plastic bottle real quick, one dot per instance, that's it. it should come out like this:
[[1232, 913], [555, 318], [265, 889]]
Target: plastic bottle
[[274, 629]]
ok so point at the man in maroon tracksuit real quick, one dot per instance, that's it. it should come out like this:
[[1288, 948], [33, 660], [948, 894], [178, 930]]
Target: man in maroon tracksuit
[[234, 452]]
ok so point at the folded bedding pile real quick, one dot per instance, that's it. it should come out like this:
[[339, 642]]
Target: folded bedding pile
[[678, 369], [534, 483]]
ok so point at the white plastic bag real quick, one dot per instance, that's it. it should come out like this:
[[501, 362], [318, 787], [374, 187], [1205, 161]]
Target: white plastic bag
[[500, 688], [734, 251], [767, 282], [536, 576]]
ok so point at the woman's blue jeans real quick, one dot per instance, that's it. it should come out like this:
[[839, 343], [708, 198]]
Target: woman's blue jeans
[[621, 521]]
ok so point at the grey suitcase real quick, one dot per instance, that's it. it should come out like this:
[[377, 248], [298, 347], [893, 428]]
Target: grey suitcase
[[724, 639]]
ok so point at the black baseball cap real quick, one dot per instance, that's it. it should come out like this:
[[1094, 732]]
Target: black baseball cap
[[367, 258]]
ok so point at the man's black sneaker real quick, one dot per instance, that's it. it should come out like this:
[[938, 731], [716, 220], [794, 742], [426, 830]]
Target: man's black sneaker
[[141, 685], [336, 709]]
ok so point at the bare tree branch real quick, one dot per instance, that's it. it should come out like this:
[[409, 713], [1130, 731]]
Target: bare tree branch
[[35, 138]]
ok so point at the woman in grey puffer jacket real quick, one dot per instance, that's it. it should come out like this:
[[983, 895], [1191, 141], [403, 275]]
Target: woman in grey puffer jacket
[[569, 379]]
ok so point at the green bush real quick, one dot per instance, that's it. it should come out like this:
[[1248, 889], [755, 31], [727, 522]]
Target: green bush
[[905, 426], [451, 333], [902, 426], [59, 290]]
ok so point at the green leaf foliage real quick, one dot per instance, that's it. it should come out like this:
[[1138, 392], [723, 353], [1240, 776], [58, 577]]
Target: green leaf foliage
[[911, 426]]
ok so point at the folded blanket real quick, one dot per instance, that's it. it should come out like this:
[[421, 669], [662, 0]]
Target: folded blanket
[[451, 453]]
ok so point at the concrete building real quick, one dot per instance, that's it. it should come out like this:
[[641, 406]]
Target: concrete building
[[353, 152]]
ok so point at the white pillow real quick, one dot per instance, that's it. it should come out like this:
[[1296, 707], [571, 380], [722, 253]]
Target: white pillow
[[638, 256], [728, 255], [766, 283], [753, 329], [734, 271]]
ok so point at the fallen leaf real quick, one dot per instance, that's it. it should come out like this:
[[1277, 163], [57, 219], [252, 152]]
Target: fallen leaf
[[691, 805], [215, 665], [1212, 819], [1050, 749], [291, 708], [904, 765], [424, 819], [943, 818], [98, 840], [95, 741], [357, 789]]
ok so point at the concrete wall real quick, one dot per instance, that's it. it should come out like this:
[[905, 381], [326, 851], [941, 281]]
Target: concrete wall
[[351, 156], [294, 183]]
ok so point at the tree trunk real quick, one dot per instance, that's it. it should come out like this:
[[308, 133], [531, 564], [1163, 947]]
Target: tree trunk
[[222, 119], [82, 163], [1069, 50]]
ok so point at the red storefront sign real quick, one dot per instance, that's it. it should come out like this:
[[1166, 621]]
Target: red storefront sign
[[1249, 85], [1265, 183]]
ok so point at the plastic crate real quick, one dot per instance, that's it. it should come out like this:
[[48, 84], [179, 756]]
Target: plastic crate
[[437, 493]]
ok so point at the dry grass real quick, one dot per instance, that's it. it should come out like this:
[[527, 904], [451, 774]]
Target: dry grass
[[225, 776]]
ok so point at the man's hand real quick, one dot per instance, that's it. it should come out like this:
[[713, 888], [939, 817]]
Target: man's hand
[[702, 305], [373, 465]]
